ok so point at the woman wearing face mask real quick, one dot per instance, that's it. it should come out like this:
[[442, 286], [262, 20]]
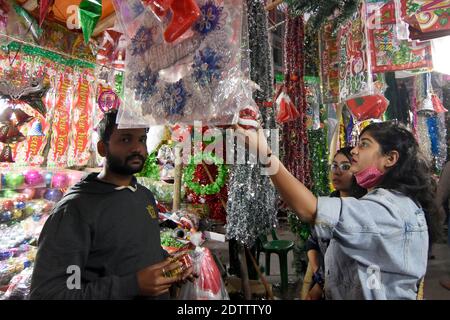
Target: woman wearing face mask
[[345, 185], [379, 243]]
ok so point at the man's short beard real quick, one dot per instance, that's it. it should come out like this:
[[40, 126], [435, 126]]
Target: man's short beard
[[118, 167]]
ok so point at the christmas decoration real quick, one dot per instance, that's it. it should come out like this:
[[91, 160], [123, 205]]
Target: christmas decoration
[[248, 118], [286, 111], [372, 106], [30, 93], [312, 56], [44, 8], [184, 14], [211, 188], [338, 10], [251, 206], [195, 78], [90, 12], [388, 51], [329, 63], [426, 19], [151, 168], [319, 161], [294, 136], [354, 74]]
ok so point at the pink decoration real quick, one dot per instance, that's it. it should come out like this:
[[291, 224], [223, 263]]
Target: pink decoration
[[29, 193], [33, 178], [60, 180]]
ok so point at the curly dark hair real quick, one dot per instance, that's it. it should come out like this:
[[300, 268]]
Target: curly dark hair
[[356, 190], [412, 174]]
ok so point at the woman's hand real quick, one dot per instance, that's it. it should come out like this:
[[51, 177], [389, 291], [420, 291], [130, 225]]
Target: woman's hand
[[255, 140]]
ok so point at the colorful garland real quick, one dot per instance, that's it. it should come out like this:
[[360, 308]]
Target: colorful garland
[[209, 189], [36, 51]]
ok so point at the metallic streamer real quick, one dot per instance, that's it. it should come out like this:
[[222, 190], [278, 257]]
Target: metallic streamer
[[251, 207]]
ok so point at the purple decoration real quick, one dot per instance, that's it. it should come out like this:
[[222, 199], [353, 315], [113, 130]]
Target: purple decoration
[[53, 195], [210, 18], [60, 180], [33, 178]]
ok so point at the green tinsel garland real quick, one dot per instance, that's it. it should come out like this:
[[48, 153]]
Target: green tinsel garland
[[36, 51], [319, 158], [322, 10], [311, 50], [151, 168], [209, 189], [319, 161]]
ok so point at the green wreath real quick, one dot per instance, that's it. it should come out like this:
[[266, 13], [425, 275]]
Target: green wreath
[[209, 189]]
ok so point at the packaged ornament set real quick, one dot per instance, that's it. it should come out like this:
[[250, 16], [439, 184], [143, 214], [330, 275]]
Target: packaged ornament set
[[178, 77]]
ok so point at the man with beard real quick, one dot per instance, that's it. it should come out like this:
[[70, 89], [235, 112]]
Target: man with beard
[[102, 239]]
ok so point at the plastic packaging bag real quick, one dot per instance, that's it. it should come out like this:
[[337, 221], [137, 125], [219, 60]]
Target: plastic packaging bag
[[193, 78], [286, 110], [19, 287], [209, 285], [389, 47], [355, 78]]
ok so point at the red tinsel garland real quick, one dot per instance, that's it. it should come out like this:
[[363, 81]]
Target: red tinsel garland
[[294, 136]]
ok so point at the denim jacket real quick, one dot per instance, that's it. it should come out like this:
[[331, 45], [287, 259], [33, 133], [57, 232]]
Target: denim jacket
[[378, 248]]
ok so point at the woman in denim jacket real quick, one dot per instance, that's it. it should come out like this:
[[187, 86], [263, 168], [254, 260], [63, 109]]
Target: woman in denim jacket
[[379, 243]]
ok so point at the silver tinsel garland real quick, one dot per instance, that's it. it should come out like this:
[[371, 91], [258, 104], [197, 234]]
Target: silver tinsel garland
[[251, 207]]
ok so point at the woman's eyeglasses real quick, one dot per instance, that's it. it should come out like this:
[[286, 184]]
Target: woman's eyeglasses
[[342, 166]]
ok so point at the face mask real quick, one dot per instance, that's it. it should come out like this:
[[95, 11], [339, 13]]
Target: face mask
[[369, 177]]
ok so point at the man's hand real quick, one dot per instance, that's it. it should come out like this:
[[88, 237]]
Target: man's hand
[[152, 280]]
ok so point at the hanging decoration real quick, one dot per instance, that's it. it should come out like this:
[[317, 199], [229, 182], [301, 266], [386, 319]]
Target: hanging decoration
[[184, 14], [354, 64], [427, 19], [210, 188], [329, 64], [319, 160], [17, 90], [59, 143], [251, 207], [338, 10], [312, 87], [286, 110], [82, 124], [366, 107], [312, 56], [388, 51], [196, 78], [441, 158], [31, 94], [90, 12], [295, 139], [44, 8]]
